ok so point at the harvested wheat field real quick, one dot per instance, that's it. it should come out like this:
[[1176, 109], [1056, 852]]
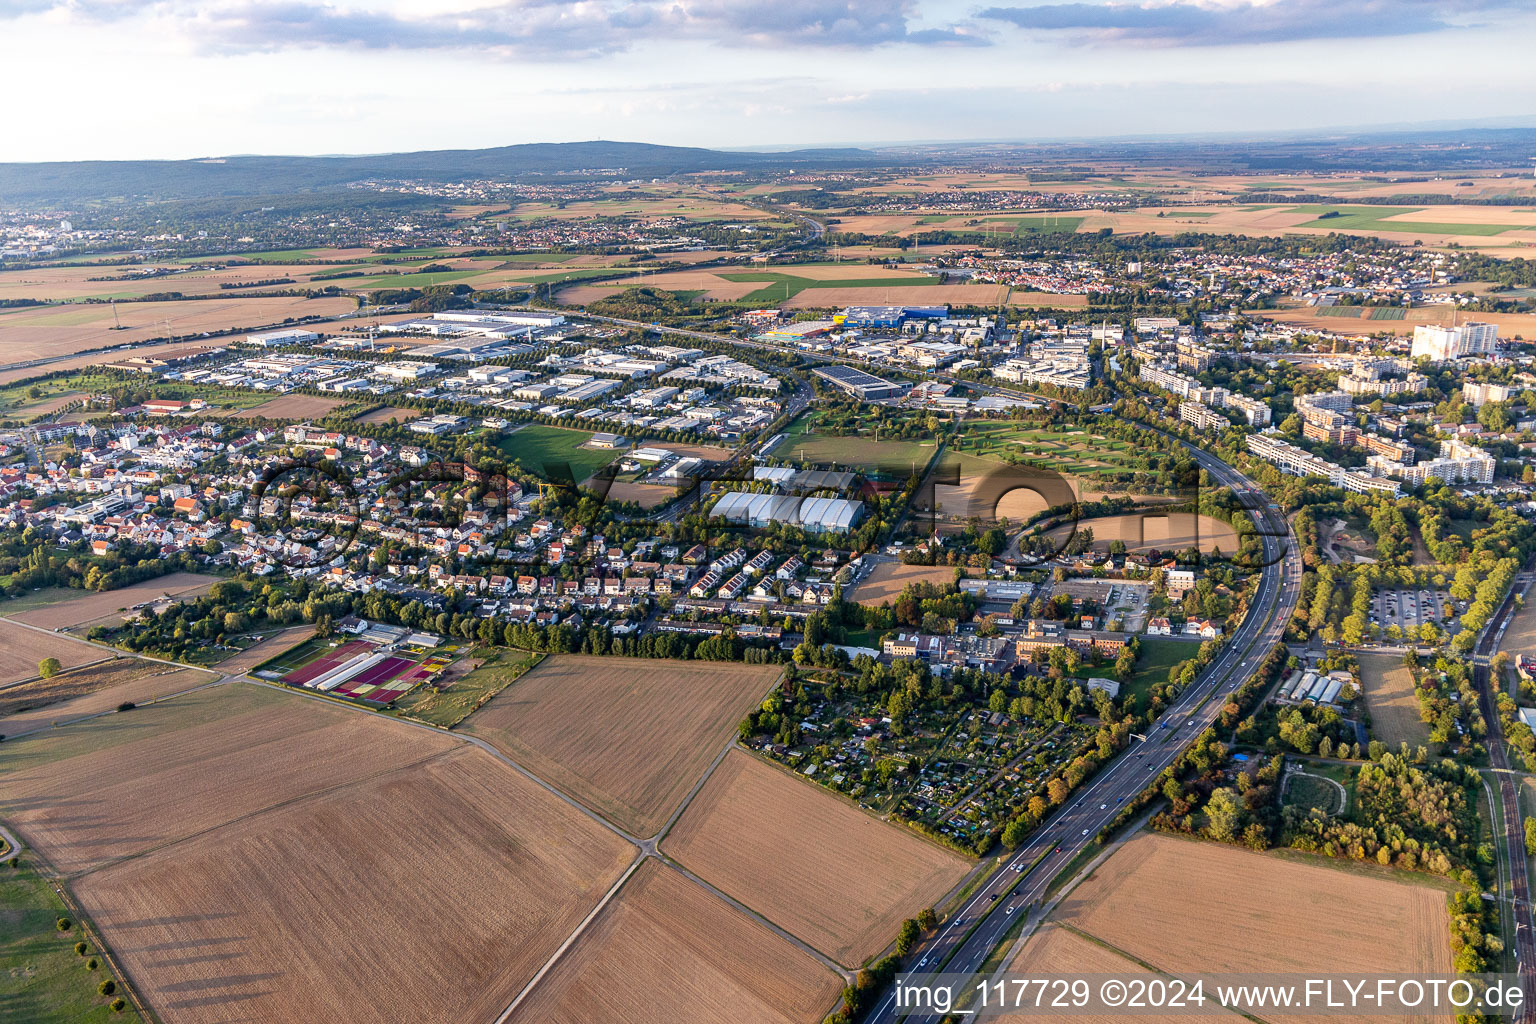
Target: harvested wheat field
[[115, 605], [886, 581], [666, 951], [431, 893], [1390, 699], [90, 690], [628, 737], [173, 769], [823, 870], [1257, 913], [22, 648], [36, 332], [1054, 951], [384, 414]]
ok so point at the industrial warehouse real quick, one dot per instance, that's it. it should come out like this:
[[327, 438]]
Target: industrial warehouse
[[864, 386], [813, 515]]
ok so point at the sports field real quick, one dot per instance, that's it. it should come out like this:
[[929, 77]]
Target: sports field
[[812, 863], [628, 737], [667, 950], [548, 450]]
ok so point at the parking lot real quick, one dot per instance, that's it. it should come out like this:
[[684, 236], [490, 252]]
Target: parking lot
[[1410, 608]]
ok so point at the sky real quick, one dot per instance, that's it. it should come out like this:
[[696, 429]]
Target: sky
[[176, 79]]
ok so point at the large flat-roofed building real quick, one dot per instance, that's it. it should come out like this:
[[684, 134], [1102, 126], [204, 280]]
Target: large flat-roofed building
[[276, 339], [1437, 343], [1299, 462], [859, 384], [813, 515]]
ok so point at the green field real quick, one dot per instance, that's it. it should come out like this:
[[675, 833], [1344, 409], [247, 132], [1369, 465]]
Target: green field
[[42, 980], [802, 444], [1158, 655], [1372, 218], [1347, 312], [1021, 225], [412, 280], [452, 705], [1389, 313], [1305, 791], [539, 448], [1073, 451]]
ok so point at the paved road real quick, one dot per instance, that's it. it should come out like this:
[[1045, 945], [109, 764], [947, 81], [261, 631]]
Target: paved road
[[970, 936], [1519, 907]]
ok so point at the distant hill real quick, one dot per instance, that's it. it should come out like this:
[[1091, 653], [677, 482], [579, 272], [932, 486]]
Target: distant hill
[[270, 175]]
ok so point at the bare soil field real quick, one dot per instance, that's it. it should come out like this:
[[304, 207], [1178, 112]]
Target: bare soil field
[[700, 960], [712, 285], [1257, 913], [91, 606], [1389, 698], [1143, 532], [22, 648], [390, 412], [38, 332], [274, 644], [173, 769], [816, 866], [647, 496], [628, 737], [432, 893], [887, 580], [90, 690], [896, 295], [293, 407]]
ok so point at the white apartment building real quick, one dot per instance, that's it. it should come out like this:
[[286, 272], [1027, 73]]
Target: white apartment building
[[1439, 344], [1476, 393], [1459, 463], [1202, 417], [1299, 462]]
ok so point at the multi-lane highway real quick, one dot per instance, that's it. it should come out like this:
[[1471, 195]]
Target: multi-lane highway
[[966, 939], [1519, 907]]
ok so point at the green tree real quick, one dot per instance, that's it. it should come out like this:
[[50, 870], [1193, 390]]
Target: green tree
[[48, 667]]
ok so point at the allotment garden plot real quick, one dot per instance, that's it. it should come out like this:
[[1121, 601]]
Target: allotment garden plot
[[958, 772]]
